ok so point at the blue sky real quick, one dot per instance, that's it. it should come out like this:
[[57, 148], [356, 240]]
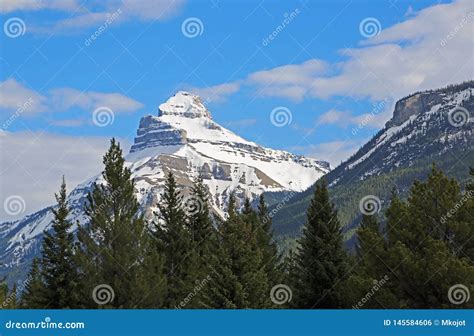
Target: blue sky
[[335, 67]]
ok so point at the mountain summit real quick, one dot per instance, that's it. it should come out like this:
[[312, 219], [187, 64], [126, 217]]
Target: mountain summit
[[182, 139]]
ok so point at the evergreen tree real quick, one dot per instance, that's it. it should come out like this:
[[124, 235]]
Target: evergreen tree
[[420, 253], [321, 260], [241, 280], [58, 268], [3, 292], [199, 221], [115, 248], [222, 292], [247, 207], [370, 284], [13, 298], [34, 292], [175, 242], [461, 241], [271, 258], [203, 244]]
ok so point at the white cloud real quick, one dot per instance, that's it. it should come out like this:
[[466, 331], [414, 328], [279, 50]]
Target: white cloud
[[15, 96], [85, 15], [288, 81], [241, 123], [334, 152], [33, 163], [431, 49], [331, 117], [379, 113], [65, 98], [7, 6], [68, 122], [408, 57], [217, 93], [152, 10]]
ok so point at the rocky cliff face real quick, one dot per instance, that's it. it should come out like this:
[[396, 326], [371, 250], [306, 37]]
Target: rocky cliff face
[[182, 139]]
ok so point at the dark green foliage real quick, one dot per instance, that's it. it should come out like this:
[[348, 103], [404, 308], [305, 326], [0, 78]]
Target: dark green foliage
[[115, 248], [203, 245], [320, 264], [369, 285], [33, 295], [422, 252], [3, 293], [174, 241], [423, 256], [58, 268], [412, 258], [290, 219], [271, 257], [249, 288], [246, 260]]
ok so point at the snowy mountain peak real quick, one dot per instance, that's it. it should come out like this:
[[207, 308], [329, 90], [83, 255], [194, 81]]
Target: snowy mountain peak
[[184, 104], [184, 140]]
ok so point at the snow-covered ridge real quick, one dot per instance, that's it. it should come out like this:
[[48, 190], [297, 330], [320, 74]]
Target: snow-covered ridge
[[184, 104], [423, 125]]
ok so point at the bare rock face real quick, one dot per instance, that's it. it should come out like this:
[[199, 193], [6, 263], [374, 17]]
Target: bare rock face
[[414, 105]]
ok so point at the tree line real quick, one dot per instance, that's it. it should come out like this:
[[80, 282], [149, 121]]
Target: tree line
[[420, 256]]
